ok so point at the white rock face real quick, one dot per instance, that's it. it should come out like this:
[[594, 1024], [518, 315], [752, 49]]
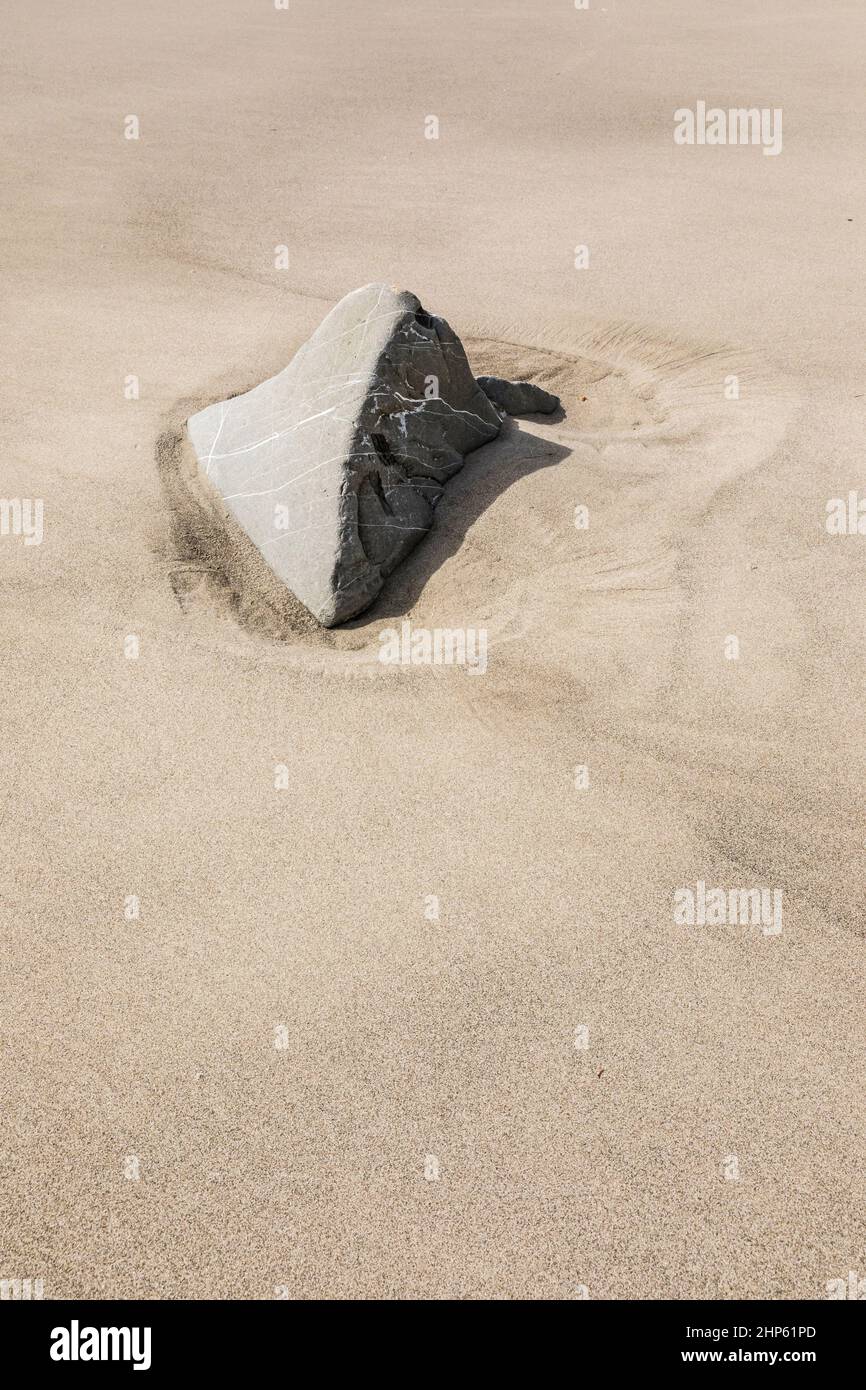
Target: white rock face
[[333, 467]]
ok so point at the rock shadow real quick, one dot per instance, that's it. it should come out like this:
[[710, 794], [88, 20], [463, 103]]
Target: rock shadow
[[486, 474]]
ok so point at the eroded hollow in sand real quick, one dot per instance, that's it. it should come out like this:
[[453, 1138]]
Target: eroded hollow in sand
[[213, 568]]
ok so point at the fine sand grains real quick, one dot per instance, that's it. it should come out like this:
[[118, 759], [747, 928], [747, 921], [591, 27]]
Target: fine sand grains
[[322, 977]]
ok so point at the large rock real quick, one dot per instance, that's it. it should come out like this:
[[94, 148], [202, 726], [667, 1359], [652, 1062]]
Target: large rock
[[333, 468]]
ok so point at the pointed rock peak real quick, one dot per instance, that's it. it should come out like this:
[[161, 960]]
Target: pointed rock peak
[[333, 468]]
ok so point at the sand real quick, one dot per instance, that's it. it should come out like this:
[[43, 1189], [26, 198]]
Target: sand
[[286, 1077]]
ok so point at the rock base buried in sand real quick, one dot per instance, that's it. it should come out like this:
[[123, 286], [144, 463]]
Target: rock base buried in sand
[[518, 397], [333, 468]]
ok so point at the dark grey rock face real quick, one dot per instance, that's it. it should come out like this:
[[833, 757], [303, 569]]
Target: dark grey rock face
[[518, 397], [333, 468]]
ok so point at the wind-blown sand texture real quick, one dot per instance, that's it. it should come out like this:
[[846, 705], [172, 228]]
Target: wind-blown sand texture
[[327, 1091]]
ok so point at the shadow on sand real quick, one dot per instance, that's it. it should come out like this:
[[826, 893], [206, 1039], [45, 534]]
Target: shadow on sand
[[486, 474]]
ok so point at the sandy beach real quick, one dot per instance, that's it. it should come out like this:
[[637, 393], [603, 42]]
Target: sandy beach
[[328, 979]]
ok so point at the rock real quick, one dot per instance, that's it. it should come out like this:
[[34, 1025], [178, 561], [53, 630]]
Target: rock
[[333, 468], [518, 397]]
